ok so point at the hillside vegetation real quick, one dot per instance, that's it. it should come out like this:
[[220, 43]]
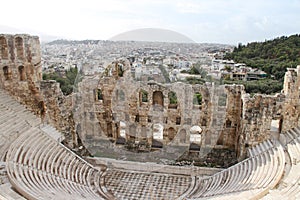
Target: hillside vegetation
[[66, 79], [272, 56]]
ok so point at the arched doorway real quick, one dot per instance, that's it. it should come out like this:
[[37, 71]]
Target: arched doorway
[[21, 73], [158, 98], [171, 133], [19, 47], [3, 50]]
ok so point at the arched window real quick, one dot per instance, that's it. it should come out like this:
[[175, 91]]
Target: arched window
[[158, 98], [172, 100], [143, 96], [6, 73], [197, 99], [120, 70], [99, 94], [19, 47], [21, 73], [171, 133], [3, 50]]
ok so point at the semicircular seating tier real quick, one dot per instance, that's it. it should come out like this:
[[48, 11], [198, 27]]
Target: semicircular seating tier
[[39, 167], [253, 177], [14, 120], [289, 188]]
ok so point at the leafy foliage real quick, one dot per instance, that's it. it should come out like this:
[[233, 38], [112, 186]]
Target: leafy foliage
[[193, 81], [66, 79], [99, 94], [197, 99], [272, 56], [144, 96], [196, 69], [264, 86], [172, 97]]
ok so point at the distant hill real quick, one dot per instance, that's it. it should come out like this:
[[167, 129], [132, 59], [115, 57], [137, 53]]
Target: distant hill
[[11, 30], [152, 35], [271, 56]]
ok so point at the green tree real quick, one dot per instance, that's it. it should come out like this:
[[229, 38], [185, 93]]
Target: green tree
[[172, 97], [197, 99], [66, 79]]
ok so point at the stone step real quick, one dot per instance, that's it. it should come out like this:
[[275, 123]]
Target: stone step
[[7, 193], [52, 132], [50, 169]]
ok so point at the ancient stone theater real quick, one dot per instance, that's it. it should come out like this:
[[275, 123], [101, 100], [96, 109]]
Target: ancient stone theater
[[118, 138]]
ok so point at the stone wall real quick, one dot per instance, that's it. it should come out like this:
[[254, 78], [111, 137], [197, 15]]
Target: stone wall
[[21, 76], [115, 108], [59, 111], [260, 111], [228, 117], [118, 108], [21, 71]]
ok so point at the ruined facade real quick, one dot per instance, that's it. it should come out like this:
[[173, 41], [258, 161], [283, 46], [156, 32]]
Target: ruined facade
[[21, 70], [21, 76], [112, 109]]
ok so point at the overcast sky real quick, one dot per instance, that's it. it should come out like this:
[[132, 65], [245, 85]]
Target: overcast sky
[[214, 21]]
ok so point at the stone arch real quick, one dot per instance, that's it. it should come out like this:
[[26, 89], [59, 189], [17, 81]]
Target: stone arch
[[171, 133], [99, 95], [120, 69], [197, 98], [172, 100], [6, 73], [143, 96], [19, 47], [22, 73], [3, 50], [158, 98]]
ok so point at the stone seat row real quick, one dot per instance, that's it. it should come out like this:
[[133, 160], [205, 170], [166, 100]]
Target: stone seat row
[[8, 104], [6, 193], [255, 175], [52, 132], [41, 168], [14, 120], [289, 188]]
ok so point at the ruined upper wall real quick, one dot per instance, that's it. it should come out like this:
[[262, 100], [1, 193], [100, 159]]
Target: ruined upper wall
[[265, 116], [20, 68]]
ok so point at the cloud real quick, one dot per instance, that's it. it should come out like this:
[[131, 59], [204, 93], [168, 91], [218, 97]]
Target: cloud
[[188, 7], [210, 21]]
